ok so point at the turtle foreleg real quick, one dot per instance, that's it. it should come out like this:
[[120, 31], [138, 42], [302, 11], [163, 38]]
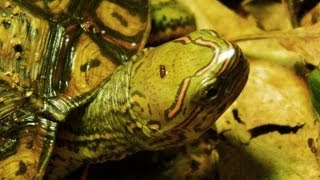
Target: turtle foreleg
[[26, 139]]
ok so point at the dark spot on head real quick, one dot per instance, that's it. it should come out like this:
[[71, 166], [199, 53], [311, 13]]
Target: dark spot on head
[[163, 71], [90, 64], [22, 168]]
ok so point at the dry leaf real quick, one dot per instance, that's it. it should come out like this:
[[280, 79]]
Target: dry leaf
[[304, 41], [269, 49], [214, 15], [269, 15], [311, 17], [268, 128], [299, 45]]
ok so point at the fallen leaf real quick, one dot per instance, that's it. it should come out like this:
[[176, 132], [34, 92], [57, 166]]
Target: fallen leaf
[[269, 15], [268, 128], [269, 49], [299, 45], [214, 15], [305, 41], [311, 17]]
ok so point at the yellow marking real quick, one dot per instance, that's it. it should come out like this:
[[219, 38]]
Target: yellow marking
[[27, 156], [58, 7], [55, 7], [105, 13], [84, 81]]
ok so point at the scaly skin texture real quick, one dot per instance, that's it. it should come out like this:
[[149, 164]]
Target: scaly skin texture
[[165, 97]]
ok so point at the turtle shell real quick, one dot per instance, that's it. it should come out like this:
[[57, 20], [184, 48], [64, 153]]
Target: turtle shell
[[53, 55]]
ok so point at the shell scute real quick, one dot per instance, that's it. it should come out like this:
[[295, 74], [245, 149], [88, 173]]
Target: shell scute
[[53, 55]]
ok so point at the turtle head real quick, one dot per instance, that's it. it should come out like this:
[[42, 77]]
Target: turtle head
[[179, 89]]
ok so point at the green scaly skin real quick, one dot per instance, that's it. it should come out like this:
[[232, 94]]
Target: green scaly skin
[[165, 97]]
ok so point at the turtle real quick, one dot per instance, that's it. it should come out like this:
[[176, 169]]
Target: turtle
[[77, 85]]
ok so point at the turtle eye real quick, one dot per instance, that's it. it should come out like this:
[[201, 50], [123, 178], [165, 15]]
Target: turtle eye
[[211, 92]]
